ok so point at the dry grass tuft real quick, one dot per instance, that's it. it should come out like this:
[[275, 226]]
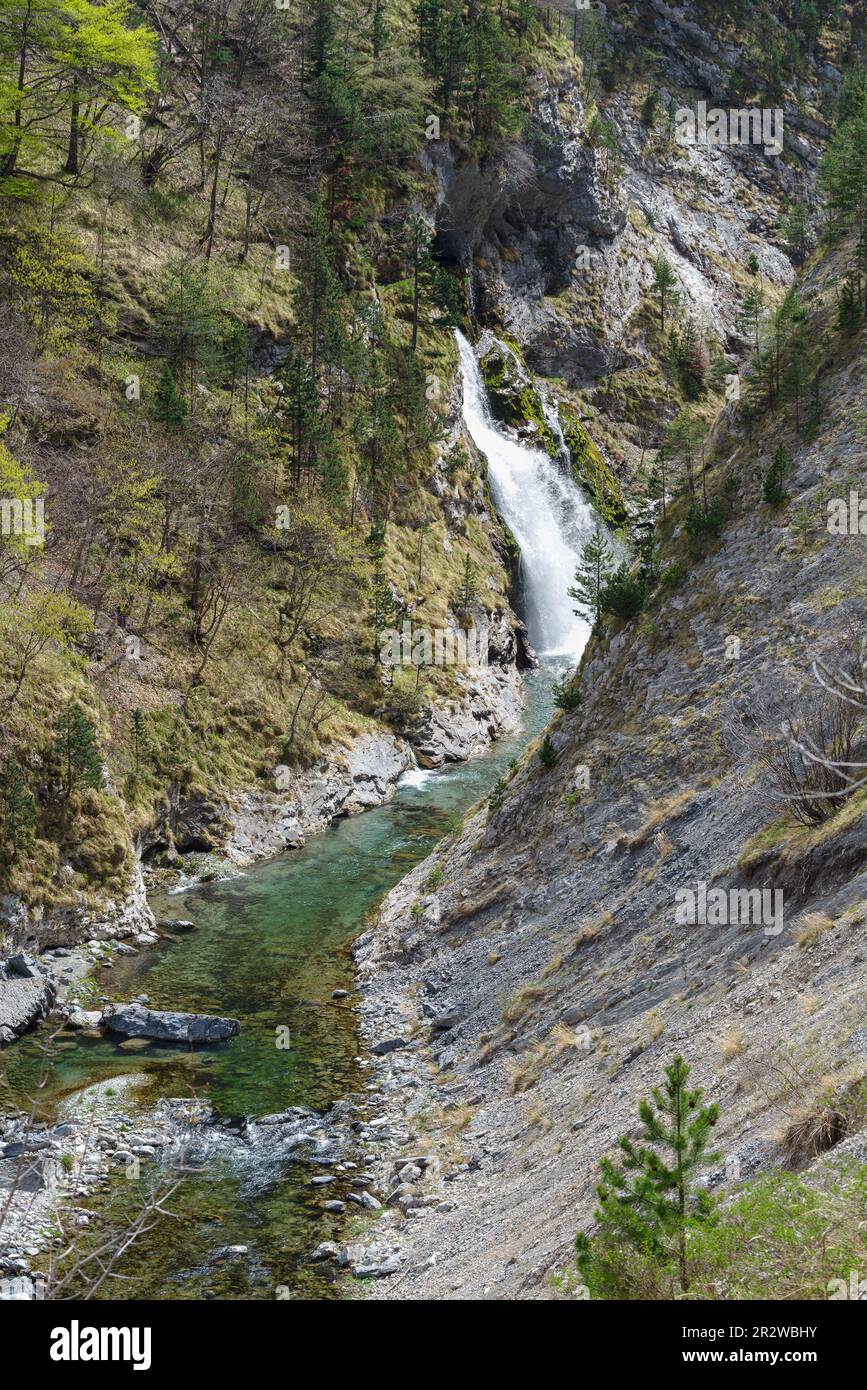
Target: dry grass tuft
[[658, 815], [812, 925], [520, 1003], [732, 1044], [813, 1133]]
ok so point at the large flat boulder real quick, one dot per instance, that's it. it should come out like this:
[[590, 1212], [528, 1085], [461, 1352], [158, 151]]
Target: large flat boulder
[[135, 1021]]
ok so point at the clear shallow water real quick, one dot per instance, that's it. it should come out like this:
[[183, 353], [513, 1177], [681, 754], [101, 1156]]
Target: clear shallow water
[[269, 948]]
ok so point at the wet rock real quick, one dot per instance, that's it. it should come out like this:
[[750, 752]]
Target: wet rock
[[84, 1018], [136, 1021], [23, 967], [20, 1289], [377, 1269], [327, 1250]]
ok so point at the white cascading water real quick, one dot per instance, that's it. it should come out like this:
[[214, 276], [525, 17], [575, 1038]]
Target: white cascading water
[[546, 512]]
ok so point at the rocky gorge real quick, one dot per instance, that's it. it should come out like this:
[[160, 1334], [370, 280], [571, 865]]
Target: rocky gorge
[[511, 973]]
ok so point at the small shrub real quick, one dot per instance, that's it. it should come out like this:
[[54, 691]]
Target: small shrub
[[703, 524], [567, 693], [674, 574], [813, 1133], [732, 1045], [625, 594], [497, 793], [773, 489], [811, 926], [548, 755], [520, 1003]]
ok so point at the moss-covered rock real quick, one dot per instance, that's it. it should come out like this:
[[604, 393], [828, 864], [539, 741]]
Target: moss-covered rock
[[513, 397], [592, 472]]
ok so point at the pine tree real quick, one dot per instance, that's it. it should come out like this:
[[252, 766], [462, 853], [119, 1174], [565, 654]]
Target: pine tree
[[382, 607], [683, 444], [648, 1202], [548, 755], [752, 311], [76, 750], [646, 542], [844, 175], [298, 417], [469, 586], [169, 406], [664, 286], [848, 309], [592, 574], [17, 810], [774, 488], [794, 227]]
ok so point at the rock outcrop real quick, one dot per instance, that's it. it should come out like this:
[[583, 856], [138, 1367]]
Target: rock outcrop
[[136, 1021], [27, 995]]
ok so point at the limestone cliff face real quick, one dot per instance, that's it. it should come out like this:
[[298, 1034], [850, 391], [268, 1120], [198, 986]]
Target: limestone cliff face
[[546, 978], [560, 247]]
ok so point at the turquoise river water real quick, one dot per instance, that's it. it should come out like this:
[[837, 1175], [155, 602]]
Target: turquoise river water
[[269, 948]]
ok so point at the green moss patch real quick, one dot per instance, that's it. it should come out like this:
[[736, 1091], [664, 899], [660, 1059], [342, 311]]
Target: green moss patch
[[591, 471]]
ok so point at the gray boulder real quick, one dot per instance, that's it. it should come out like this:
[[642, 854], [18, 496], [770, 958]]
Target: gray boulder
[[24, 999], [135, 1021], [22, 967]]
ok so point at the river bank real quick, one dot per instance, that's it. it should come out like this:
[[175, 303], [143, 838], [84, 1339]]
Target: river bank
[[271, 947]]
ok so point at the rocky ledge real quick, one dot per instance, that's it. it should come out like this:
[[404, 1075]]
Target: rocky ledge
[[27, 995]]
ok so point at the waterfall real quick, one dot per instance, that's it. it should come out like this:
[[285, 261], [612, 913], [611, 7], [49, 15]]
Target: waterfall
[[544, 509]]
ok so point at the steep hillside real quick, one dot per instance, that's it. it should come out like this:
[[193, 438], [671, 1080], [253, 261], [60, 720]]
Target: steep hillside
[[540, 963], [541, 969]]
